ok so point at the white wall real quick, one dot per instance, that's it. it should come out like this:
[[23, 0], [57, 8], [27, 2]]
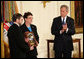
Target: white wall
[[43, 18]]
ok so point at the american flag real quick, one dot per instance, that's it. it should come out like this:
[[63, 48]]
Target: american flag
[[6, 27]]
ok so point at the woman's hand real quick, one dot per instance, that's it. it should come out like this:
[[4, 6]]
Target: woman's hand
[[32, 48], [26, 40]]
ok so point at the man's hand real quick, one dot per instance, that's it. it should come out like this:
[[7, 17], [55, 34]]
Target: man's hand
[[61, 31], [64, 26], [32, 48]]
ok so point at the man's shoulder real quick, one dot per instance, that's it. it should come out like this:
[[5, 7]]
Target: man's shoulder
[[71, 19], [56, 18], [22, 26], [12, 27]]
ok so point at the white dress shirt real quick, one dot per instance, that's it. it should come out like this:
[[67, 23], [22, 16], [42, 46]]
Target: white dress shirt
[[64, 19]]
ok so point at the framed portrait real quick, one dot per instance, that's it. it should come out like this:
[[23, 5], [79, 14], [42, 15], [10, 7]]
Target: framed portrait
[[77, 15], [32, 40]]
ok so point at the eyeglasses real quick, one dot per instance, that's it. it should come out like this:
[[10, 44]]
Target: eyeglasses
[[30, 18]]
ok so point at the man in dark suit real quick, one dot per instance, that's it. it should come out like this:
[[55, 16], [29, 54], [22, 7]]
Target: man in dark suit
[[17, 45], [27, 26], [63, 28]]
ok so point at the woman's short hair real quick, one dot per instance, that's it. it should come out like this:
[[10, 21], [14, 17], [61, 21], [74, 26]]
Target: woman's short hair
[[27, 14]]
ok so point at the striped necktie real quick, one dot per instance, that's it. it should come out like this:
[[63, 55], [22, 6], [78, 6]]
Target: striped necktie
[[63, 21]]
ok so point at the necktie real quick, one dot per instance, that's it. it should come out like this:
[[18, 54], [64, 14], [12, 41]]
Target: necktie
[[63, 21]]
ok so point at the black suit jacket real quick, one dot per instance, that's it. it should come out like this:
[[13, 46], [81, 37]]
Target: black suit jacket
[[64, 40], [17, 45], [34, 29]]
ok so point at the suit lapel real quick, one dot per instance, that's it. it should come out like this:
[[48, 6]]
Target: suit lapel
[[32, 27], [60, 20], [67, 20], [26, 28]]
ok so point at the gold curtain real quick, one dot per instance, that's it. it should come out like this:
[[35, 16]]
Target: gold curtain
[[2, 43]]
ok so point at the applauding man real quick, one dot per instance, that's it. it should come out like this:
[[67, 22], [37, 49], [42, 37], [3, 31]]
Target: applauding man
[[63, 28]]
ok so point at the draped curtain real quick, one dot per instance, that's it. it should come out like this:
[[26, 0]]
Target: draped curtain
[[8, 8]]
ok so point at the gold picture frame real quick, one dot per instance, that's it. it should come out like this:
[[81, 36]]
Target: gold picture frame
[[72, 6]]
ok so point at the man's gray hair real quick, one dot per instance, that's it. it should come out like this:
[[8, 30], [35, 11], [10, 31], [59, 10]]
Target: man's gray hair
[[67, 8]]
